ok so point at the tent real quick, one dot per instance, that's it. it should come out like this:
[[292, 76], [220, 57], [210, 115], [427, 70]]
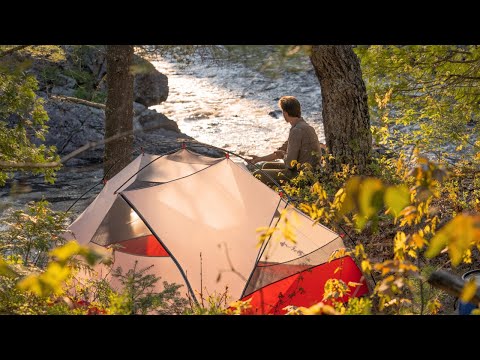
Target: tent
[[195, 219]]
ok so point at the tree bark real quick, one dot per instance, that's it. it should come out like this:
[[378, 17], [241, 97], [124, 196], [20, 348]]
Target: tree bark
[[346, 120], [119, 108]]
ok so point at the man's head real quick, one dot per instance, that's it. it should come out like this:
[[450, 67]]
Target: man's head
[[290, 107]]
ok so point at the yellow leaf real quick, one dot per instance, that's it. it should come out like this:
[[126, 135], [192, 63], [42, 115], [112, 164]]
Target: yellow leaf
[[66, 251], [458, 234], [5, 270], [418, 240], [349, 195], [459, 148], [412, 253], [434, 306], [366, 266], [396, 198], [31, 283], [468, 290]]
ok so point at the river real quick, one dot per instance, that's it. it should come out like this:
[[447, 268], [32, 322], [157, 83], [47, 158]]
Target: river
[[222, 103]]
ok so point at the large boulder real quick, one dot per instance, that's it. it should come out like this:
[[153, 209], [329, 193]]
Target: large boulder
[[150, 85], [72, 125], [151, 119]]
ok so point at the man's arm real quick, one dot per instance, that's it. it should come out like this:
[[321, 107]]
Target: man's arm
[[270, 157], [294, 144], [284, 146], [277, 154]]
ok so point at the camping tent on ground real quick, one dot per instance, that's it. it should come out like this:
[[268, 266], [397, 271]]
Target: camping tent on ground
[[195, 219]]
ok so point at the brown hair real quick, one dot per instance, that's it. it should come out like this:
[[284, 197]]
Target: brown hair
[[290, 105]]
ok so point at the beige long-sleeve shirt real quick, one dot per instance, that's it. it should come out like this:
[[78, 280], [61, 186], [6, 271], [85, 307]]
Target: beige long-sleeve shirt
[[302, 145]]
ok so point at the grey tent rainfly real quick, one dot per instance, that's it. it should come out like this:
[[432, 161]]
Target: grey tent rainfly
[[195, 219]]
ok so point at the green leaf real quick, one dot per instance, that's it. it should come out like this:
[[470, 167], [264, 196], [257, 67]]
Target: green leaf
[[396, 198], [370, 196]]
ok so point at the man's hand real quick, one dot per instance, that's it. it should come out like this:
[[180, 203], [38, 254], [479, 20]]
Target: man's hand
[[254, 159]]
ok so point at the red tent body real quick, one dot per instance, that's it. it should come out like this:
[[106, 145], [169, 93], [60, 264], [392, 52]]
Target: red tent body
[[306, 288]]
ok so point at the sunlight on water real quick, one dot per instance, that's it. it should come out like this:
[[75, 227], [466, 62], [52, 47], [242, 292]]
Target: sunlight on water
[[228, 105]]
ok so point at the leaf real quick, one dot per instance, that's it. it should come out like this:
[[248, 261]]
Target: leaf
[[366, 266], [469, 290], [396, 198], [65, 252], [458, 234], [47, 283], [5, 270], [418, 240], [349, 195], [370, 197]]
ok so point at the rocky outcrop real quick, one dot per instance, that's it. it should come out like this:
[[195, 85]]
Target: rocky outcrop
[[83, 72], [72, 125], [150, 86]]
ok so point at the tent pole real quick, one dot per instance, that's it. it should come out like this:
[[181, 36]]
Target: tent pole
[[163, 245], [160, 156], [101, 181], [241, 157], [354, 243], [261, 250]]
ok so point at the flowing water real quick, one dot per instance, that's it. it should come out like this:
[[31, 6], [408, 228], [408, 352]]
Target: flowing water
[[234, 107], [225, 104]]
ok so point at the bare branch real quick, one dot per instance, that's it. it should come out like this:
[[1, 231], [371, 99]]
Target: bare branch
[[89, 145], [79, 101], [12, 50]]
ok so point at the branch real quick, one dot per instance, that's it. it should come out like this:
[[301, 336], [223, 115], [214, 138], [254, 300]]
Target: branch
[[452, 284], [12, 50], [79, 101], [89, 145]]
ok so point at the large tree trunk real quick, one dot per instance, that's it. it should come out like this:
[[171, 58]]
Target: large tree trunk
[[119, 108], [345, 109]]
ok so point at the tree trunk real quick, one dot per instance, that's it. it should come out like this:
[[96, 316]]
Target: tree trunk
[[119, 108], [346, 120]]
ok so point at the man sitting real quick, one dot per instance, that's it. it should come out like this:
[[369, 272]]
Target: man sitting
[[302, 145]]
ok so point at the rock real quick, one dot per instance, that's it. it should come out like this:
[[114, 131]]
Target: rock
[[150, 86], [275, 114], [88, 64], [72, 125], [92, 59], [66, 81], [200, 114], [64, 85], [138, 108], [270, 86], [58, 90], [152, 118]]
